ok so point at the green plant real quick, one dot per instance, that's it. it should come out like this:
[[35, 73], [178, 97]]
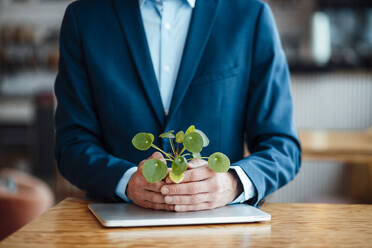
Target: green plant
[[193, 141]]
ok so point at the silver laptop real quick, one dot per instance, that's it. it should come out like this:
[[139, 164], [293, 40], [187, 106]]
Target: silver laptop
[[130, 215]]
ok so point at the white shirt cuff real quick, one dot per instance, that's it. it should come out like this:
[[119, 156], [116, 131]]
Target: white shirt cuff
[[121, 188], [248, 188]]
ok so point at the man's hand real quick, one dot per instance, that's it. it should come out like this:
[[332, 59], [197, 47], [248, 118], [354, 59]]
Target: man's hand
[[201, 189], [147, 194]]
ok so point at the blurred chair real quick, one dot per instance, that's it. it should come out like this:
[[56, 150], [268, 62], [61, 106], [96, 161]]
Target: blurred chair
[[22, 199]]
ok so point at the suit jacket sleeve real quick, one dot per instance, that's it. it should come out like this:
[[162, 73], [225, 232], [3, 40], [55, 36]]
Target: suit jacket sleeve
[[80, 153], [271, 135]]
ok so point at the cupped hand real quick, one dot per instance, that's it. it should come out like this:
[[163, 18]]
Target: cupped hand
[[201, 189], [146, 194]]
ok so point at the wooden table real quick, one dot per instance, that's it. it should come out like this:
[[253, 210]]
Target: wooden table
[[70, 224]]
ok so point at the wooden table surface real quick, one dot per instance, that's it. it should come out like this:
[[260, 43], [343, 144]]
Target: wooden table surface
[[70, 224]]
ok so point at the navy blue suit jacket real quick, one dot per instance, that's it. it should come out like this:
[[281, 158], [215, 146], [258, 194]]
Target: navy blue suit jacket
[[233, 84]]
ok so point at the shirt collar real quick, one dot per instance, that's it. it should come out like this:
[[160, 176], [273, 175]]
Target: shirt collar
[[190, 2]]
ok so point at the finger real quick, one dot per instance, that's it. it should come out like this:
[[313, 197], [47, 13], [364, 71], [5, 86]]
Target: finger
[[196, 207], [155, 155], [189, 188], [140, 165], [194, 175], [156, 206], [190, 199], [158, 155], [152, 197], [198, 174], [155, 187], [195, 163]]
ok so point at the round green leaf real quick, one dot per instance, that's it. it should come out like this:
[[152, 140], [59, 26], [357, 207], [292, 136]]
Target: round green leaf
[[179, 165], [143, 141], [193, 142], [176, 178], [191, 129], [168, 135], [219, 162], [180, 136], [154, 170], [204, 136]]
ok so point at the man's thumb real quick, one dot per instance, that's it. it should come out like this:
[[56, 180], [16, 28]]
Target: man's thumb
[[158, 155]]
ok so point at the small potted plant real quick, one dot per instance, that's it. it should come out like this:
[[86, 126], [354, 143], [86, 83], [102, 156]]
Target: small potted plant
[[189, 144]]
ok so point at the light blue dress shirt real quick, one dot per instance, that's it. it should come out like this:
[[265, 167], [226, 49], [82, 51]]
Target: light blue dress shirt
[[167, 23]]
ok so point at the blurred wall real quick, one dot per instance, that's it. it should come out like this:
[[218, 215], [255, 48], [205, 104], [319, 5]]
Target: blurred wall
[[332, 101]]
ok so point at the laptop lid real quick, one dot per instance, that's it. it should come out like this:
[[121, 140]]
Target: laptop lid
[[130, 215]]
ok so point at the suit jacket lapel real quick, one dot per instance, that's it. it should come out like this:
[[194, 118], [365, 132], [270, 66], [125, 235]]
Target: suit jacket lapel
[[129, 15], [200, 28]]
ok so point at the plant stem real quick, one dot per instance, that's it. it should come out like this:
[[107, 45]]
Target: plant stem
[[172, 146], [160, 150], [183, 149], [189, 159], [178, 147]]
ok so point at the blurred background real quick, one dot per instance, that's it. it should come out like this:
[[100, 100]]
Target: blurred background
[[329, 48]]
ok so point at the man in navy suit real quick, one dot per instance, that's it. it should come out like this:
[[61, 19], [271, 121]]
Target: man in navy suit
[[128, 66]]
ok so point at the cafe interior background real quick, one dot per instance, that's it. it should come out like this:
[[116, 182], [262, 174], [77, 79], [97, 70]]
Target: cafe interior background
[[328, 44]]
